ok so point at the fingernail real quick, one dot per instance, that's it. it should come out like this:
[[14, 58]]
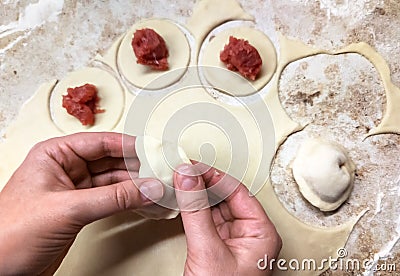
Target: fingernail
[[151, 191], [184, 169], [188, 182], [188, 177]]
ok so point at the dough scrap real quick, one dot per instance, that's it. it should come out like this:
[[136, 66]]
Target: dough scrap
[[391, 118], [216, 12], [225, 80], [158, 160], [143, 76], [324, 173], [110, 91]]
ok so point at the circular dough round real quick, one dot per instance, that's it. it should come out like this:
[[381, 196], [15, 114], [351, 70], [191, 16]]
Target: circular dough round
[[143, 76], [112, 100], [223, 80], [324, 172]]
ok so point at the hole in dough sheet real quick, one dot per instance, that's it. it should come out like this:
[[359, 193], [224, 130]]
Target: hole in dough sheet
[[343, 90], [214, 44], [142, 76], [341, 98], [110, 91]]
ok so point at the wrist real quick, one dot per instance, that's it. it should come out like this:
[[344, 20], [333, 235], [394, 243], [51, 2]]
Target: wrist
[[13, 257]]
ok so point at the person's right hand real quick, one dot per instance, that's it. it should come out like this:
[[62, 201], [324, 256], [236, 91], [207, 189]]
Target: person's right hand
[[229, 238]]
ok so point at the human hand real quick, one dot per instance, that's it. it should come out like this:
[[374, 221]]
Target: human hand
[[232, 236], [64, 184]]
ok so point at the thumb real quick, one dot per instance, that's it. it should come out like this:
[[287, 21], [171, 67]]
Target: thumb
[[100, 202], [191, 195]]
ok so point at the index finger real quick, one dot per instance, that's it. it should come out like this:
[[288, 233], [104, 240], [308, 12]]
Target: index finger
[[241, 203], [95, 145], [219, 184]]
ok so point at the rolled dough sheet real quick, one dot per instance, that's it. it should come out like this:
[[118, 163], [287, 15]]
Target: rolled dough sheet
[[224, 81], [143, 76], [110, 91], [126, 244]]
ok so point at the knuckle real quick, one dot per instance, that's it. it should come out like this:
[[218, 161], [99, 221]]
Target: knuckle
[[192, 201], [43, 147], [123, 197], [276, 240], [36, 153], [270, 233], [279, 242], [108, 141], [105, 144], [112, 177], [117, 176], [38, 147]]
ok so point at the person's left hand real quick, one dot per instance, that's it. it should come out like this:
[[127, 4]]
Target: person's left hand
[[64, 184]]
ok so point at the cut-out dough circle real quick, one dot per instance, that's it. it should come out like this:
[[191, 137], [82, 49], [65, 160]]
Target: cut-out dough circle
[[239, 86], [143, 76], [112, 100]]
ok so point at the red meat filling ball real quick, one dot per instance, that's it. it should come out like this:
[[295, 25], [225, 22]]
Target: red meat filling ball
[[81, 102], [150, 49], [240, 55]]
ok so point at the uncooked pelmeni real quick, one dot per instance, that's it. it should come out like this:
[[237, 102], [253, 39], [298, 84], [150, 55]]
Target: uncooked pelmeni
[[158, 160], [324, 172]]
